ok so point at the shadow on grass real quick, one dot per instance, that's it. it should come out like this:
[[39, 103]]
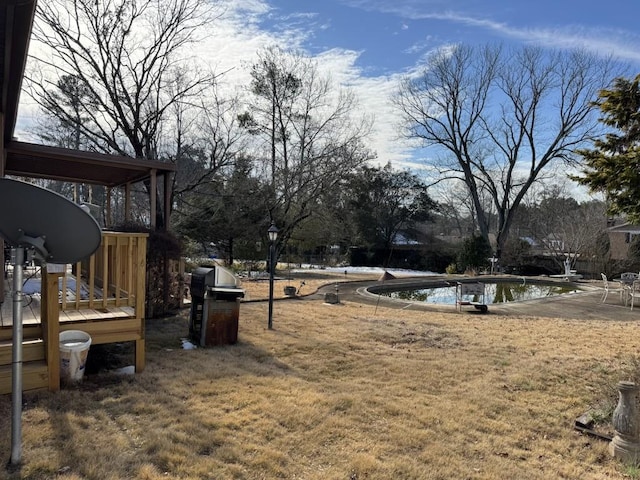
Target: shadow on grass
[[141, 414]]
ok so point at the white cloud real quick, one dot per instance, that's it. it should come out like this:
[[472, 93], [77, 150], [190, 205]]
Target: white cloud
[[622, 44], [234, 40], [374, 98], [231, 43], [235, 37]]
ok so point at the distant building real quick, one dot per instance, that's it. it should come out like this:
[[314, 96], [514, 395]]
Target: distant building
[[620, 239]]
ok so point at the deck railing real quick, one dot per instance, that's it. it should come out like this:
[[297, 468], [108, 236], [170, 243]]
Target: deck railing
[[114, 276], [103, 296]]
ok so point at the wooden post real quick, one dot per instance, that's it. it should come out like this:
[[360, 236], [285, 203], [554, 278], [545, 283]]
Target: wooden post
[[104, 246], [50, 318], [153, 195], [108, 221], [116, 275], [141, 260], [127, 202], [167, 201]]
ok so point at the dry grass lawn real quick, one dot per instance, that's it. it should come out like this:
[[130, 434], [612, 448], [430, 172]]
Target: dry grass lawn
[[340, 392]]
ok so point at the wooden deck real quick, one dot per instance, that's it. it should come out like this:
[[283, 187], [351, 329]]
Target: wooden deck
[[32, 304], [103, 296]]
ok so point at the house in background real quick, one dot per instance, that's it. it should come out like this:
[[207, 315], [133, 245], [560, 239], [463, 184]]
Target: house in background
[[620, 239]]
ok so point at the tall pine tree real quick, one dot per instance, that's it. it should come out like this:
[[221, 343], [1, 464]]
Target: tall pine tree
[[613, 165]]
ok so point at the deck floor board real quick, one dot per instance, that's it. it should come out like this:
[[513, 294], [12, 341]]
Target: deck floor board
[[31, 310]]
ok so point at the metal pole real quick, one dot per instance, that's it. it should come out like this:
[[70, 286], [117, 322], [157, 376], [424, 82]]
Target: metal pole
[[17, 255], [271, 255]]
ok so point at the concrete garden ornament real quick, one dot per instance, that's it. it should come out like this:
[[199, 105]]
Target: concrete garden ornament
[[625, 444]]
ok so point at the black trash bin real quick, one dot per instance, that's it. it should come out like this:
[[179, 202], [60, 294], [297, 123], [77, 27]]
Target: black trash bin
[[215, 306]]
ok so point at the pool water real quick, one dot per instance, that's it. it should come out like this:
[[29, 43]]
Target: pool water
[[501, 292]]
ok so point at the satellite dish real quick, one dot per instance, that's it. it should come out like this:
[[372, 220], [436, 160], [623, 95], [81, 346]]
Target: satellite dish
[[57, 229]]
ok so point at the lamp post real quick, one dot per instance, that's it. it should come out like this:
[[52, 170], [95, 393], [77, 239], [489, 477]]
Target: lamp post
[[273, 236]]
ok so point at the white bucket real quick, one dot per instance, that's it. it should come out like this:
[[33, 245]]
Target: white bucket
[[74, 348]]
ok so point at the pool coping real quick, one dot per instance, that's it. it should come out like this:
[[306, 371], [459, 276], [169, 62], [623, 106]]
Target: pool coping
[[416, 283], [584, 305]]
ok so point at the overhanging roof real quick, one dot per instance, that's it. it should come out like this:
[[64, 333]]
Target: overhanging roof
[[625, 228], [42, 161], [16, 19]]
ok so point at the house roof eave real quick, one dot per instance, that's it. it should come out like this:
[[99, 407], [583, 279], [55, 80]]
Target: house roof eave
[[42, 161], [625, 228], [16, 20]]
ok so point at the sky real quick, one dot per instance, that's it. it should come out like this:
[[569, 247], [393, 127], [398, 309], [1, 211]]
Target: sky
[[370, 45]]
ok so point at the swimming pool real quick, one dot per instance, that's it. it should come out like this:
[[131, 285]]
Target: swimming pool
[[495, 291]]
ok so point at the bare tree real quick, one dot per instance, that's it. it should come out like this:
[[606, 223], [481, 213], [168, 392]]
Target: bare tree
[[125, 57], [71, 93], [305, 133], [204, 140], [497, 119], [457, 212], [564, 227]]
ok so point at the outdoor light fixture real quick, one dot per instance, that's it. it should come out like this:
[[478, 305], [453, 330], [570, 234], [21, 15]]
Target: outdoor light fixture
[[273, 236], [273, 233]]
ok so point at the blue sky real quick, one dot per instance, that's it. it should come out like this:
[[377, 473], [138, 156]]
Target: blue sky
[[392, 35], [370, 44]]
